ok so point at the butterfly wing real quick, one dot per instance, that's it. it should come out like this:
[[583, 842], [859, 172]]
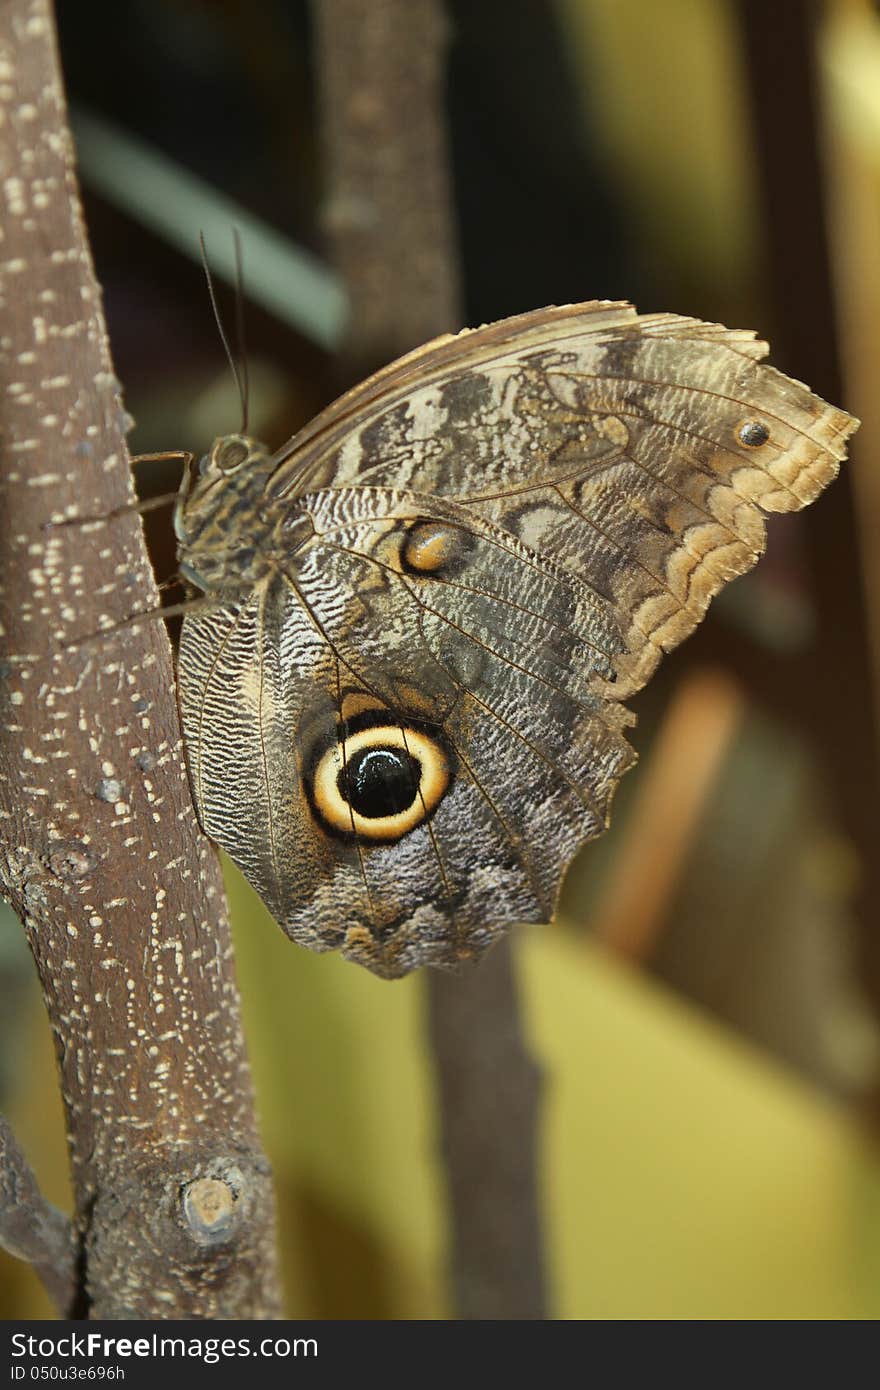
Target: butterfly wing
[[406, 730], [406, 629], [640, 451]]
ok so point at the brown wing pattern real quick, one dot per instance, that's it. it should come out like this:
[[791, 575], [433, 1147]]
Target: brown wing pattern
[[491, 663], [505, 531], [604, 439]]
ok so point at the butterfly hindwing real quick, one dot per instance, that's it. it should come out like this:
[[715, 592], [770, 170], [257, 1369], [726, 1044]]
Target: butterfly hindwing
[[404, 623]]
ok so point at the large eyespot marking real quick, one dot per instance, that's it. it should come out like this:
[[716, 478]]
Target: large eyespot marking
[[753, 434], [429, 547], [379, 781]]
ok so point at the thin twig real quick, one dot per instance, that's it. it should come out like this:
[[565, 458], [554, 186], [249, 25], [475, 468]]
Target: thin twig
[[387, 206], [390, 224], [490, 1090], [32, 1229]]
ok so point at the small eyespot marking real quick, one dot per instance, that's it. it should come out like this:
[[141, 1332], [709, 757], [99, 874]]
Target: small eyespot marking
[[429, 547], [753, 434]]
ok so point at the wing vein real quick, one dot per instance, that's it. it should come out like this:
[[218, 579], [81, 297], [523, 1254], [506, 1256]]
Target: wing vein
[[470, 636], [357, 839]]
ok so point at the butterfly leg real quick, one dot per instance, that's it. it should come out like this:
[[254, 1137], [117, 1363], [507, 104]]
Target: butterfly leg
[[148, 504]]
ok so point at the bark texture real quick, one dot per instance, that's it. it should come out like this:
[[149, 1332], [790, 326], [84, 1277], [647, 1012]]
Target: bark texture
[[100, 852]]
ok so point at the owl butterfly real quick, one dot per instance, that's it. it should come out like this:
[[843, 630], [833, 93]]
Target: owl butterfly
[[401, 697]]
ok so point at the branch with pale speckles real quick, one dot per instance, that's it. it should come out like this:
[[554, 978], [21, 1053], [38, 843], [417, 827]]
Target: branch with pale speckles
[[32, 1229], [100, 853]]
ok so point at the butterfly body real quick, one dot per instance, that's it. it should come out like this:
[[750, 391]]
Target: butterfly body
[[402, 697]]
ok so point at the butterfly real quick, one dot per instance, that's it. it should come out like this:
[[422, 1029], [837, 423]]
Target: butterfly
[[402, 684]]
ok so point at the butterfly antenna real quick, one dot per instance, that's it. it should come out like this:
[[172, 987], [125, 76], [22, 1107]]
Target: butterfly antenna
[[245, 385], [220, 329]]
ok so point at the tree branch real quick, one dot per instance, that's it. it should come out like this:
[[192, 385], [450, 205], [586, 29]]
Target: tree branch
[[101, 855], [387, 205], [390, 224], [489, 1088], [33, 1230]]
